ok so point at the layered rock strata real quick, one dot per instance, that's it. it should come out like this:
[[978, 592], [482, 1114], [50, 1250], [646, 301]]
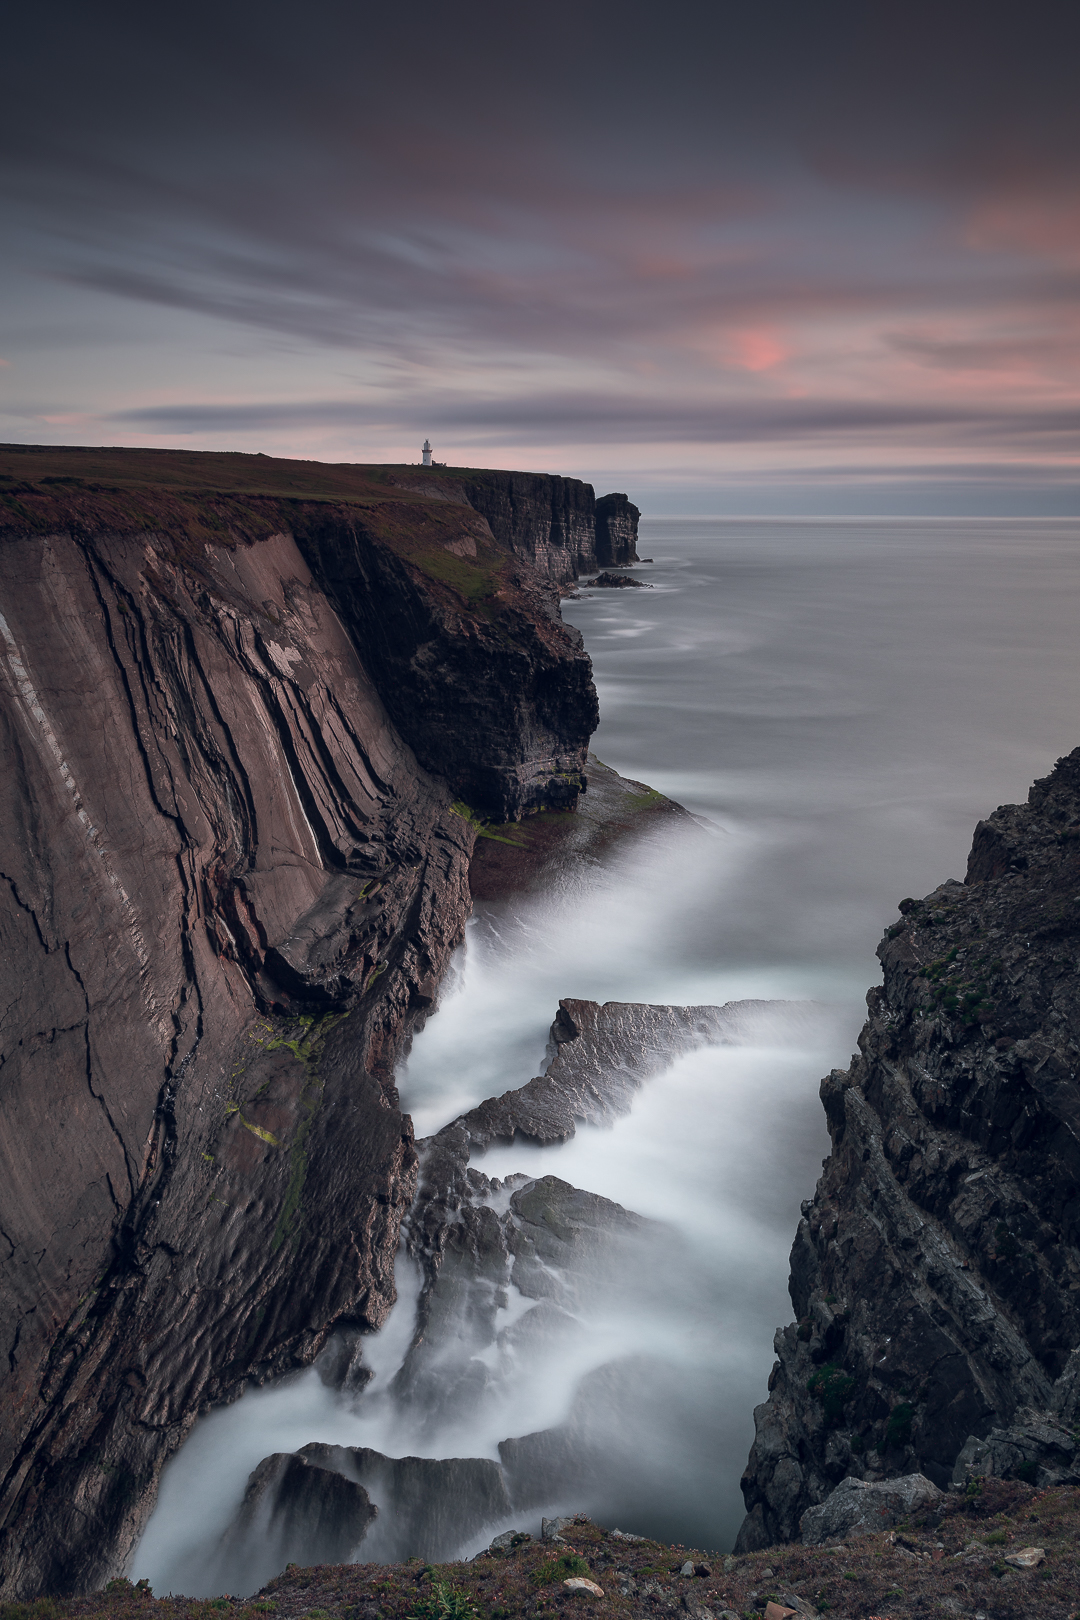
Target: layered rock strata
[[228, 887], [548, 521], [935, 1276]]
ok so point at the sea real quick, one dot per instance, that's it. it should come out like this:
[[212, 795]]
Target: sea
[[837, 702]]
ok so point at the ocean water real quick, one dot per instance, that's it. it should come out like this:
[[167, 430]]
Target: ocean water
[[839, 701]]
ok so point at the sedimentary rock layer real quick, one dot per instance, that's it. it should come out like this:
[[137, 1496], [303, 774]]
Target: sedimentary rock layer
[[227, 887], [935, 1276]]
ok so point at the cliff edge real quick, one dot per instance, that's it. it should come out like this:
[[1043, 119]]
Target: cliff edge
[[935, 1276], [251, 712]]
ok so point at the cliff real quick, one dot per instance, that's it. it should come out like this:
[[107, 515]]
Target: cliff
[[935, 1276], [250, 711], [554, 524]]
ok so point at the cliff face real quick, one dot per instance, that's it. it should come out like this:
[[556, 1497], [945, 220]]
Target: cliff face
[[616, 531], [936, 1272], [228, 887], [555, 525], [547, 521], [482, 676]]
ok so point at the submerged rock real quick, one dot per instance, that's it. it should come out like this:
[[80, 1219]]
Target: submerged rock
[[618, 582]]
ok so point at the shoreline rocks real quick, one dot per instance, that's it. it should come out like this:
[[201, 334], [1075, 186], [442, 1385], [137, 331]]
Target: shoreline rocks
[[935, 1276]]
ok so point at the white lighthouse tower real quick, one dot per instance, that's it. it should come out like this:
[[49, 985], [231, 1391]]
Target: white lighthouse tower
[[426, 453]]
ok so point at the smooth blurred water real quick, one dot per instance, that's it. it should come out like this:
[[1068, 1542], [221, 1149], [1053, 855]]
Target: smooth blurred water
[[842, 701]]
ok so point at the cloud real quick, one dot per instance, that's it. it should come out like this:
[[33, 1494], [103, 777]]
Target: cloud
[[599, 420], [710, 225]]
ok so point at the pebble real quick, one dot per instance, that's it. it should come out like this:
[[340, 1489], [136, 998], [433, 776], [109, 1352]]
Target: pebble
[[577, 1583]]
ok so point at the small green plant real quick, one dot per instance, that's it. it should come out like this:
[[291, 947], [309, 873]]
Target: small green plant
[[558, 1569], [443, 1602], [996, 1538], [833, 1388], [1027, 1471], [973, 1487]]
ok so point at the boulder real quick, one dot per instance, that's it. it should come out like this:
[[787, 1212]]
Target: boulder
[[857, 1507]]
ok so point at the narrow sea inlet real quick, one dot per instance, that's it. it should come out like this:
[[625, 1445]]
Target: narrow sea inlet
[[839, 703]]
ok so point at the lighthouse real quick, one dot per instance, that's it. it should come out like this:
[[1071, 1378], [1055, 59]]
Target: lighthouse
[[426, 453]]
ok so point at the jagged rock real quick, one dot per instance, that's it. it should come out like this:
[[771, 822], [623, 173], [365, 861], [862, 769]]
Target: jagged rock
[[858, 1506], [551, 1529], [1034, 1448], [428, 1507], [935, 1275], [229, 889], [294, 1512], [509, 1540]]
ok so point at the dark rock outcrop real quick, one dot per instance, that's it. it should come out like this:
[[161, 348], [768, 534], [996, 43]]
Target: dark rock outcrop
[[936, 1271], [297, 1509], [229, 887], [324, 1503], [616, 531], [619, 582]]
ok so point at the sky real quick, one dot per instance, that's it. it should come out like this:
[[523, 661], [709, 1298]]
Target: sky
[[772, 256]]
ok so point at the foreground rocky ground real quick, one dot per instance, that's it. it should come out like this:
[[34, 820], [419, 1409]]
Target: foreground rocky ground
[[951, 1562]]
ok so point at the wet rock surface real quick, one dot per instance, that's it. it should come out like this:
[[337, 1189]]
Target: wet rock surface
[[229, 887], [527, 856], [936, 1272]]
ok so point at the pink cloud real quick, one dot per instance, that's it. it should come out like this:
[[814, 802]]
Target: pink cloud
[[757, 348]]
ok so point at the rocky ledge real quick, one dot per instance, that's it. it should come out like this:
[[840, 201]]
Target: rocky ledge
[[935, 1276]]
